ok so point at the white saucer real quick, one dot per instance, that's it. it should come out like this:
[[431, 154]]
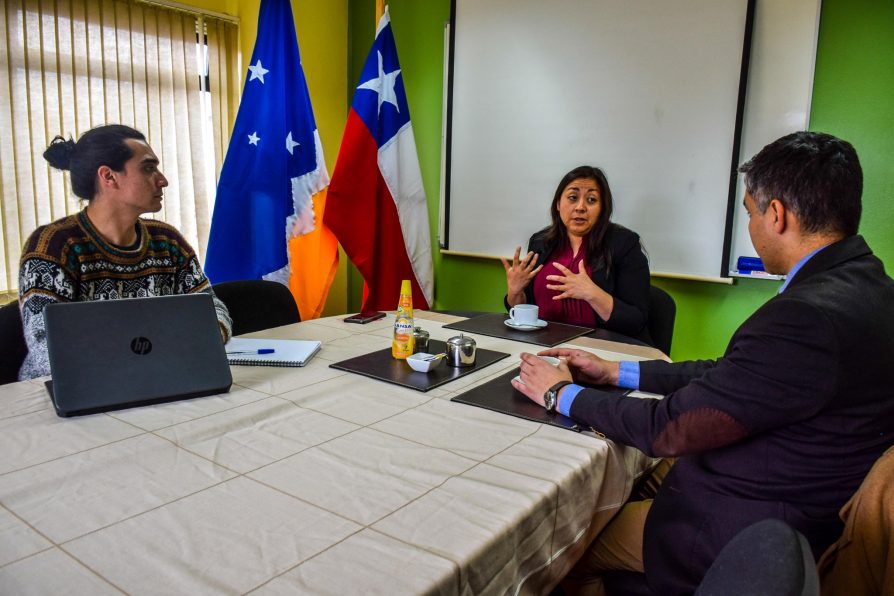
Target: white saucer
[[540, 324]]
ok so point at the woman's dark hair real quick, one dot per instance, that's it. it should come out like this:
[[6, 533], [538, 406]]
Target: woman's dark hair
[[100, 146], [556, 235]]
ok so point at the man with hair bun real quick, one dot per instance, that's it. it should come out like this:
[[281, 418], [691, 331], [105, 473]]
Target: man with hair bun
[[106, 251]]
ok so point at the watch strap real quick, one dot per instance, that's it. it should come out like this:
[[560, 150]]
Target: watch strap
[[554, 390]]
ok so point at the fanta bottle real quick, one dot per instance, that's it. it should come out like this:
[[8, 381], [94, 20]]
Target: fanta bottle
[[402, 345]]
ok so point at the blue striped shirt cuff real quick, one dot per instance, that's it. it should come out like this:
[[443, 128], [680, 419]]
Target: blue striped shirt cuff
[[628, 375], [567, 398], [628, 378]]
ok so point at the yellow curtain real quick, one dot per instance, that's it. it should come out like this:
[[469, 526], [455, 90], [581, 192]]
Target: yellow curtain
[[69, 65]]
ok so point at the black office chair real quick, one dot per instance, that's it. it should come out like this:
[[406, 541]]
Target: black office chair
[[662, 312], [768, 558], [12, 343], [256, 304]]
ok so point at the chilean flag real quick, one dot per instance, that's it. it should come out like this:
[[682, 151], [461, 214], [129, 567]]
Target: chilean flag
[[376, 203]]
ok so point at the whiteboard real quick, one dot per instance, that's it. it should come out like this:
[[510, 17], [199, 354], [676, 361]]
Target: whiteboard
[[646, 90], [780, 86]]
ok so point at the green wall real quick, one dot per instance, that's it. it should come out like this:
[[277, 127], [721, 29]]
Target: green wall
[[854, 84], [853, 97]]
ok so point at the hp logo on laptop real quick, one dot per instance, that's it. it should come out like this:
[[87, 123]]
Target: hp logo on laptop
[[140, 346]]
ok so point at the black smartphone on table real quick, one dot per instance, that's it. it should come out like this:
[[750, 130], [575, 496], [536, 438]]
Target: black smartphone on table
[[364, 317]]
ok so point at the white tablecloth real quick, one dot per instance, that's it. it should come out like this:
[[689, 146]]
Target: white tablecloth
[[302, 480]]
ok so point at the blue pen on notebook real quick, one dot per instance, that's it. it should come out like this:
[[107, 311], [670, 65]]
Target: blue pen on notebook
[[258, 351]]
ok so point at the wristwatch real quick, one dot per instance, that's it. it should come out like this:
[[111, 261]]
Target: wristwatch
[[551, 397]]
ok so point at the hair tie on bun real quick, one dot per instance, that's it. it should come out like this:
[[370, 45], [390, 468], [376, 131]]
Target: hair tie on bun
[[59, 153]]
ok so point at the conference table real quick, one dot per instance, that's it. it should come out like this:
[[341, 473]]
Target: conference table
[[305, 480]]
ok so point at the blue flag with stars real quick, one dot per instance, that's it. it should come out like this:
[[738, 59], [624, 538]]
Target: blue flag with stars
[[274, 164]]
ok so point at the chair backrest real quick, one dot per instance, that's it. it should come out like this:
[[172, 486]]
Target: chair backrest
[[768, 558], [256, 304], [12, 343], [862, 560], [662, 312]]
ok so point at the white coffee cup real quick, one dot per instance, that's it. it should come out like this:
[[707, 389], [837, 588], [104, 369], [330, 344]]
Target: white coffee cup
[[550, 359], [524, 314]]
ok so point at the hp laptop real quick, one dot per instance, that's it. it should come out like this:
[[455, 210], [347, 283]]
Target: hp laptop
[[114, 354]]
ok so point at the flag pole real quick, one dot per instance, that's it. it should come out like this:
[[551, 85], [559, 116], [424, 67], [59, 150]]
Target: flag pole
[[380, 10]]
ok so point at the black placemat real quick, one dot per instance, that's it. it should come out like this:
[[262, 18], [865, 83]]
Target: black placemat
[[492, 324], [380, 365], [606, 335], [499, 395]]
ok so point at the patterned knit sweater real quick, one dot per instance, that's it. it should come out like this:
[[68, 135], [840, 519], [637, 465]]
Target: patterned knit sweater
[[68, 261]]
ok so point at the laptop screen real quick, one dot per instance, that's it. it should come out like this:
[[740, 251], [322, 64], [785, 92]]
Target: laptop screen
[[113, 354]]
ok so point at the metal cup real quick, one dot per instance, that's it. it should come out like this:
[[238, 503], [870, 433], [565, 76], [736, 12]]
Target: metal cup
[[461, 351], [421, 339]]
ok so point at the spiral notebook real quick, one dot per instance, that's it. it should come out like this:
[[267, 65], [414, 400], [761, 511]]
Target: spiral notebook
[[271, 352]]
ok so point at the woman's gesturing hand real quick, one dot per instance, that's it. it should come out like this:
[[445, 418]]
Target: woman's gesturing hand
[[579, 285], [519, 274], [572, 285]]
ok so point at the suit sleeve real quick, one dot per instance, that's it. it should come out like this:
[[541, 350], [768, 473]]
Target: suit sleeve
[[658, 376], [631, 287], [780, 369]]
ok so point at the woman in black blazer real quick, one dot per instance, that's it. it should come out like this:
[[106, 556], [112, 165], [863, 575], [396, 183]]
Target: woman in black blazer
[[583, 269]]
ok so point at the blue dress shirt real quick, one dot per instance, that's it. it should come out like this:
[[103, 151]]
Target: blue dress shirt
[[628, 373]]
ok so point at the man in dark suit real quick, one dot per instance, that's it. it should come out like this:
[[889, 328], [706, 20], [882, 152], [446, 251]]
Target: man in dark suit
[[788, 422]]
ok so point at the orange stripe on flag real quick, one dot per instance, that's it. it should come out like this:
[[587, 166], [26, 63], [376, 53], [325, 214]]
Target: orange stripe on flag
[[314, 261]]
